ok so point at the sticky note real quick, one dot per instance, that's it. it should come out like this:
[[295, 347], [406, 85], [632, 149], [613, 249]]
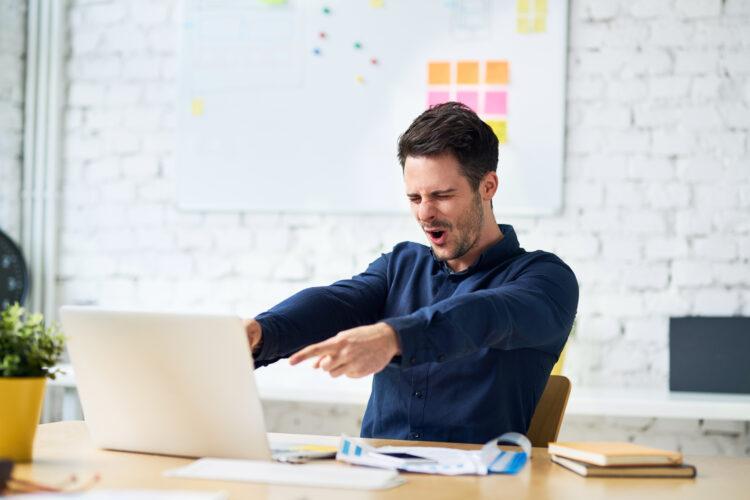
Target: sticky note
[[434, 98], [196, 107], [522, 6], [496, 103], [468, 72], [471, 99], [540, 6], [540, 24], [439, 73], [497, 72], [523, 25], [273, 2], [377, 4], [500, 128]]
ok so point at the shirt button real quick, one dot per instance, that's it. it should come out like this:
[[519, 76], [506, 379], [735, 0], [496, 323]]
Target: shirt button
[[413, 360], [418, 395], [441, 357], [417, 435]]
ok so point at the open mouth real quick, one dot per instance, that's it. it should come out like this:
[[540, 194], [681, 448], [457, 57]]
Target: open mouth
[[437, 236]]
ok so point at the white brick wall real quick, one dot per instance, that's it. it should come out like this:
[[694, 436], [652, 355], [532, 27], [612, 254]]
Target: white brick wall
[[12, 50], [656, 219]]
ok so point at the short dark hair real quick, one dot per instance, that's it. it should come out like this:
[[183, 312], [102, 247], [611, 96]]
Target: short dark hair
[[454, 128]]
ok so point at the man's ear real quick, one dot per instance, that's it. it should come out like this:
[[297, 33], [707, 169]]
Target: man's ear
[[488, 186]]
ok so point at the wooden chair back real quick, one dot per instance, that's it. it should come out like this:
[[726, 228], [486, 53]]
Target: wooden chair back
[[547, 419]]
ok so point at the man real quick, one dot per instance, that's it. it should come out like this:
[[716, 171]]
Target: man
[[461, 335]]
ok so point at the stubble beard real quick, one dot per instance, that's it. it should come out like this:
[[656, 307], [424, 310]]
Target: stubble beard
[[469, 228]]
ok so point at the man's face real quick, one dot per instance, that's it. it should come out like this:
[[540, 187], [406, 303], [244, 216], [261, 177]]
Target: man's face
[[444, 204]]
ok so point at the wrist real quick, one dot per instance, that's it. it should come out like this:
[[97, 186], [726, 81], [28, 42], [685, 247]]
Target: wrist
[[254, 334]]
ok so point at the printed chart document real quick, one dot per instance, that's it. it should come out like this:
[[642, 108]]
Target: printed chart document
[[446, 461], [321, 475]]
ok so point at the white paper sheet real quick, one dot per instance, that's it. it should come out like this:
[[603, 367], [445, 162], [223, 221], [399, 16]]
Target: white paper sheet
[[126, 495], [320, 475]]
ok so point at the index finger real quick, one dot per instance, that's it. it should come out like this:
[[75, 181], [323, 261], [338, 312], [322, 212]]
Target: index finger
[[325, 347]]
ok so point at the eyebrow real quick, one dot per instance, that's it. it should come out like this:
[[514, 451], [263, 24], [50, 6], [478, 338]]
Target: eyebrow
[[435, 193]]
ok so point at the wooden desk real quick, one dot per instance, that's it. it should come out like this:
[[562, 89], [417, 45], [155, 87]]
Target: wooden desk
[[65, 447]]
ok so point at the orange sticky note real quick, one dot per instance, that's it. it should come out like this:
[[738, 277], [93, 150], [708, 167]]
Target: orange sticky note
[[500, 127], [468, 72], [439, 73], [497, 72]]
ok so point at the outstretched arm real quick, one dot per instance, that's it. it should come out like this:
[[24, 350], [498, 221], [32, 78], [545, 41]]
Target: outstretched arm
[[317, 313], [534, 311]]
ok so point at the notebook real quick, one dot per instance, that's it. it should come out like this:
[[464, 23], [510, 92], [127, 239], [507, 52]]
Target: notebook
[[614, 453], [588, 470]]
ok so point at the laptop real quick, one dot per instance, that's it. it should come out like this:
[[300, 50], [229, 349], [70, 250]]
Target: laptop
[[167, 383]]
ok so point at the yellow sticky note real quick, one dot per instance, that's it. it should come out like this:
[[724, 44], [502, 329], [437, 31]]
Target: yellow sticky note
[[497, 72], [540, 24], [540, 6], [377, 4], [468, 72], [522, 6], [273, 2], [316, 447], [523, 26], [500, 128], [439, 73], [196, 107]]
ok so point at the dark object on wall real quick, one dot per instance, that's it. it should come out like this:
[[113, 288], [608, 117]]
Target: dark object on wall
[[14, 275], [709, 354]]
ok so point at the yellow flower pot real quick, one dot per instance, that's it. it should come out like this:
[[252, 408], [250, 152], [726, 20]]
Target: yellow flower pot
[[20, 407]]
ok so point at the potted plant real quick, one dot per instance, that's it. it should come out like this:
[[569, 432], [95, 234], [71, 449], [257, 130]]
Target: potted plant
[[29, 351]]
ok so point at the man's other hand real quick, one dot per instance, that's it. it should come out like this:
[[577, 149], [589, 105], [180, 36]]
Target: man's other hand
[[254, 334], [357, 352]]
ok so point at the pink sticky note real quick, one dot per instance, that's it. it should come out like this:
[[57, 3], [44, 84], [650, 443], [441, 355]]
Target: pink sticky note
[[471, 99], [434, 98], [496, 103]]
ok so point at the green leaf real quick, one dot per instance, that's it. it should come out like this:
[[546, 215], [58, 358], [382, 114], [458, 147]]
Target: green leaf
[[28, 348]]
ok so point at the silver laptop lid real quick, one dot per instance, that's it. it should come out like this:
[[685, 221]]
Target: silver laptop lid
[[177, 384]]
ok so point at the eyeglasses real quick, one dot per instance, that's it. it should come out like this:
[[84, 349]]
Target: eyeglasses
[[9, 484]]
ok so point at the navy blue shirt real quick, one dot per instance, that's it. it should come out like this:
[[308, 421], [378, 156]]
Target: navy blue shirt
[[477, 346]]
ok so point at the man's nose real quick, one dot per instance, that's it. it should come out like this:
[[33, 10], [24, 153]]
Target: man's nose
[[426, 211]]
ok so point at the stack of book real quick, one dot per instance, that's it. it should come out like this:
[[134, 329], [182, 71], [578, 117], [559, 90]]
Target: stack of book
[[615, 459]]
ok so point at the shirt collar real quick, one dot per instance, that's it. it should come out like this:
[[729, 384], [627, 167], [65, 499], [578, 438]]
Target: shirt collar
[[492, 256]]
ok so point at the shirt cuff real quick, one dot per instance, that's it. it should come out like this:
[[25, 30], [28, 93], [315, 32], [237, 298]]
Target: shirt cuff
[[415, 348], [269, 349]]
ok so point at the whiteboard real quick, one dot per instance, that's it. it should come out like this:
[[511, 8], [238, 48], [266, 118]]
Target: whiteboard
[[296, 106]]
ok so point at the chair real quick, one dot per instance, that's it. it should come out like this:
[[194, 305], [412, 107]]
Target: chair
[[547, 419]]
